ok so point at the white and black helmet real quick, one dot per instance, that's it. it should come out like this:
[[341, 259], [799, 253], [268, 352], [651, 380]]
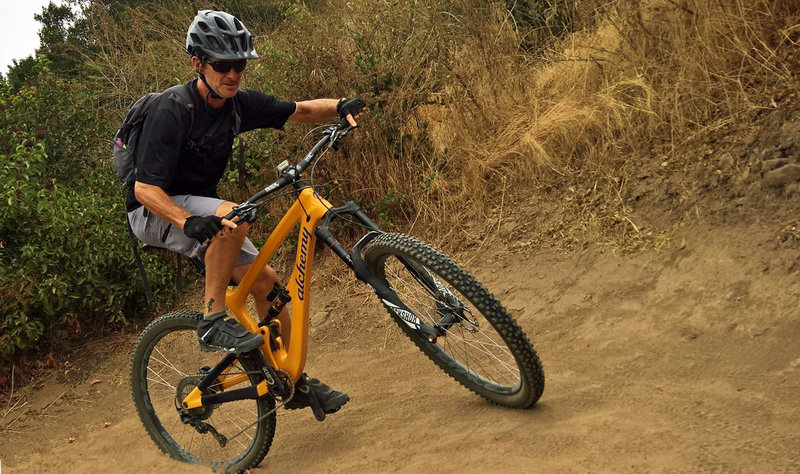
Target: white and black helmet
[[219, 35]]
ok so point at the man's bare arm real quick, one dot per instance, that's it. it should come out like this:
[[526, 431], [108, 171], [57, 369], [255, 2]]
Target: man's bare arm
[[315, 111], [159, 203]]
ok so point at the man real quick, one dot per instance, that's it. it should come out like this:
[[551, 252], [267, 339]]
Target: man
[[182, 155]]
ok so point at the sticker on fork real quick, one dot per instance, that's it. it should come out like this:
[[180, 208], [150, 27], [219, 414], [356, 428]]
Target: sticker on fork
[[407, 316], [442, 289]]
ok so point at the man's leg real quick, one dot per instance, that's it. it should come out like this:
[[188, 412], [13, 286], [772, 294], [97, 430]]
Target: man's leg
[[217, 330], [261, 287], [220, 260]]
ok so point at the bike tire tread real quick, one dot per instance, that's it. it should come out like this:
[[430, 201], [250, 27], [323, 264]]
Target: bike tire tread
[[529, 364]]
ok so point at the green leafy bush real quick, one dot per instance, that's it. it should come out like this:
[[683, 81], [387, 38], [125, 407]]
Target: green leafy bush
[[65, 262]]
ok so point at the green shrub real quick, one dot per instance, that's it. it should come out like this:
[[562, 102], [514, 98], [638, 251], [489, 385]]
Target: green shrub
[[65, 261]]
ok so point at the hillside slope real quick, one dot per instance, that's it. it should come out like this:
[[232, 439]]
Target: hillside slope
[[683, 359], [669, 346]]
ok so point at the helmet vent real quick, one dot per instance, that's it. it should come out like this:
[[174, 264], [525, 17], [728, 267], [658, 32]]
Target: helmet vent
[[231, 43], [214, 43], [221, 24], [238, 24], [203, 26]]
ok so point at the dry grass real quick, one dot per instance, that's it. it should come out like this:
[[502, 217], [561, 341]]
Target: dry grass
[[139, 51], [646, 80], [470, 107]]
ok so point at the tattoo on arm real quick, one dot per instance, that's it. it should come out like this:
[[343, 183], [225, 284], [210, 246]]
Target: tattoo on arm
[[210, 305]]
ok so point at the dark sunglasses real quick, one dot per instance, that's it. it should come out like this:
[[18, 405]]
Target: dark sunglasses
[[225, 66]]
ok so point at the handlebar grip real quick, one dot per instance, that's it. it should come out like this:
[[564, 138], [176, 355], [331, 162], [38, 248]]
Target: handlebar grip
[[343, 123]]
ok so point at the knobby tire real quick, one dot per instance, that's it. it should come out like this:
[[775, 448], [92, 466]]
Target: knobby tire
[[488, 352], [166, 353]]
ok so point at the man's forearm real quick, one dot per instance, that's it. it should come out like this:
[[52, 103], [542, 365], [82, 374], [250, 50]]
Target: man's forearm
[[315, 111], [159, 203]]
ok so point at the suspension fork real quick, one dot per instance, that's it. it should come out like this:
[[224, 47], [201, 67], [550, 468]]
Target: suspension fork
[[350, 208], [356, 263]]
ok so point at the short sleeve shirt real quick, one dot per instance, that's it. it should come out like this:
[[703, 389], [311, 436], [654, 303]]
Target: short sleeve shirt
[[184, 148]]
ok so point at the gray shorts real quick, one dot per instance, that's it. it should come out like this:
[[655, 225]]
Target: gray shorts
[[150, 229]]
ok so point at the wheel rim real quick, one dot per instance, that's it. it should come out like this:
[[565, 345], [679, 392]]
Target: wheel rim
[[173, 361], [472, 344]]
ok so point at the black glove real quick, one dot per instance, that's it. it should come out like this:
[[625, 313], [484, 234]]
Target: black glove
[[350, 106], [202, 228]]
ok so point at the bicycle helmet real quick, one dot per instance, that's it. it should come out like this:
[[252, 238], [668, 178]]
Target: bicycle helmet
[[219, 35]]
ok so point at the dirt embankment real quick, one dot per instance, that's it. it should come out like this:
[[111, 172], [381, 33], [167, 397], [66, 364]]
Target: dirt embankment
[[682, 359]]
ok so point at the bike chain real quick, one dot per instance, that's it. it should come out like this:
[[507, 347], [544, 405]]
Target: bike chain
[[287, 378]]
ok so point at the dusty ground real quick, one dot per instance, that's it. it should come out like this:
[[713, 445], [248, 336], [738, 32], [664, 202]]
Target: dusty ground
[[678, 359], [685, 359]]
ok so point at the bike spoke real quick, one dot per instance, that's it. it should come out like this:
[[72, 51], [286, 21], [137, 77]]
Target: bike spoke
[[480, 351], [161, 380], [492, 358], [167, 363]]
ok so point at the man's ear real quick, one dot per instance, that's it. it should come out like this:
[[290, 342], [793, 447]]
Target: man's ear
[[197, 64]]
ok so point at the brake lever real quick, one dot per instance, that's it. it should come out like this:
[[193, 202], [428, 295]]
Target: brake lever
[[338, 134], [246, 212]]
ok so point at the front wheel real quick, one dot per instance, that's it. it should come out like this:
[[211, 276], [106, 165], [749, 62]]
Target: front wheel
[[478, 343], [167, 364]]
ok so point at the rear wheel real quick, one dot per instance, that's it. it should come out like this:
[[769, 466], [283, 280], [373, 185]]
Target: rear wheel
[[479, 343], [167, 364]]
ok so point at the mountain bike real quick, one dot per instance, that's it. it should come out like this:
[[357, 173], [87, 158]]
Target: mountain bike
[[219, 409]]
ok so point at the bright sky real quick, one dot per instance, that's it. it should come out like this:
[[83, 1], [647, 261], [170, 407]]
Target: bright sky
[[19, 36]]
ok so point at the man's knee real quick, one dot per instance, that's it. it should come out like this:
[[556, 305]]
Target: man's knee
[[266, 279], [269, 275], [241, 229]]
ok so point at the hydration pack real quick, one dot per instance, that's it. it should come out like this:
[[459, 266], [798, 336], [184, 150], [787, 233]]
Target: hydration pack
[[127, 137]]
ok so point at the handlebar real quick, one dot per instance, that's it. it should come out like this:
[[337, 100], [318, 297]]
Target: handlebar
[[332, 137]]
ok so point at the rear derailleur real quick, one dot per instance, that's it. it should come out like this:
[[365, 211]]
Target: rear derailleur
[[196, 417]]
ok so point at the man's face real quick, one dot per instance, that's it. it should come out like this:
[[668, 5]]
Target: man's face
[[224, 83]]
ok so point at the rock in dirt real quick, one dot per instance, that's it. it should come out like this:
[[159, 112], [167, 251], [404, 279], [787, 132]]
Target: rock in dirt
[[769, 165], [782, 176]]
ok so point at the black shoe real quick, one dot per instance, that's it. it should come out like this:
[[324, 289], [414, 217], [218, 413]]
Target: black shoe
[[312, 393], [220, 333]]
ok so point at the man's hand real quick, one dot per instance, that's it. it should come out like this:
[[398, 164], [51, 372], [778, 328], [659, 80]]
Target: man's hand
[[351, 109], [203, 228]]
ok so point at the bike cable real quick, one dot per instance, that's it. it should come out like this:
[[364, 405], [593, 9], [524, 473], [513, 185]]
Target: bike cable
[[330, 209], [281, 403]]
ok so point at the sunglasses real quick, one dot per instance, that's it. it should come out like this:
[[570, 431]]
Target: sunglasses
[[225, 66]]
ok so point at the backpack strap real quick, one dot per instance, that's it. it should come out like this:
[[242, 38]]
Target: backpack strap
[[236, 125], [185, 93], [237, 117]]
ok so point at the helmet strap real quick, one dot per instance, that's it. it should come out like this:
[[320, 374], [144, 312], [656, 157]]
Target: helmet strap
[[210, 90]]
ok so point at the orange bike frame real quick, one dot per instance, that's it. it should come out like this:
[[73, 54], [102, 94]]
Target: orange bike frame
[[308, 209]]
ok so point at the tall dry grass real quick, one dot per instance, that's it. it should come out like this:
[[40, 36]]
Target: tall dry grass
[[633, 88], [474, 101]]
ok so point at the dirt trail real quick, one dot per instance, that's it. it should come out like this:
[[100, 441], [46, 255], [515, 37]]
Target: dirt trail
[[684, 359]]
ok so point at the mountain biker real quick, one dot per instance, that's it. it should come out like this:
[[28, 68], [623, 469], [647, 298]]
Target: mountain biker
[[182, 154]]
